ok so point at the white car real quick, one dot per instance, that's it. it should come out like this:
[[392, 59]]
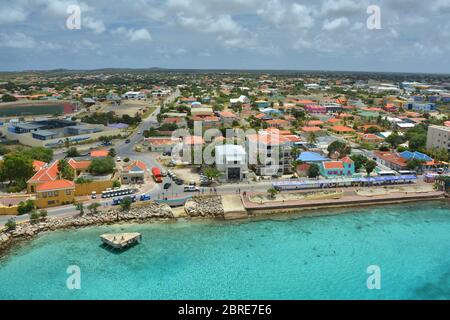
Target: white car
[[118, 159], [191, 189]]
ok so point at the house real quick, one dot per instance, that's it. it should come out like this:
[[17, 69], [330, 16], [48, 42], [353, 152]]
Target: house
[[241, 100], [332, 169], [231, 161], [208, 121], [342, 130], [302, 169], [79, 167], [38, 165], [261, 104], [202, 112], [133, 95], [278, 123], [55, 193], [160, 144], [227, 117], [306, 131], [133, 173], [99, 153], [46, 174], [369, 138]]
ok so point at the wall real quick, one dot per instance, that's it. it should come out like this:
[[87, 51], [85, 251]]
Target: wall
[[84, 189], [28, 140], [61, 199]]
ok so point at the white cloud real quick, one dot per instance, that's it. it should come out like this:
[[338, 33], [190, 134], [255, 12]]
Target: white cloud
[[97, 26], [134, 35], [342, 7], [292, 16], [11, 14], [16, 40], [335, 24]]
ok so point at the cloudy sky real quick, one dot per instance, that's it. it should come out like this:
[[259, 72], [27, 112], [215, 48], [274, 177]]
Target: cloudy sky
[[230, 34]]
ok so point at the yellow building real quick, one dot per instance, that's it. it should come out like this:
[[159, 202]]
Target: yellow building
[[55, 193]]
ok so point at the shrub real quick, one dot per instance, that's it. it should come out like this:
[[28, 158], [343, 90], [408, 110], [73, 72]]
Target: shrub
[[10, 224], [116, 184], [25, 207]]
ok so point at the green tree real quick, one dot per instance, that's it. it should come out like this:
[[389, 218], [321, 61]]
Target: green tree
[[73, 152], [112, 152], [339, 147], [65, 171], [415, 165], [370, 165], [359, 161], [26, 207], [312, 138], [10, 224], [39, 153], [272, 192], [8, 98], [395, 139], [17, 167], [80, 208], [211, 173], [116, 184], [106, 140], [126, 204], [313, 171], [102, 166], [93, 208], [34, 216]]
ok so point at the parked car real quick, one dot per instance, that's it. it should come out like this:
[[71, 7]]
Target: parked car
[[144, 197], [179, 182], [191, 189], [127, 141], [167, 185], [118, 159]]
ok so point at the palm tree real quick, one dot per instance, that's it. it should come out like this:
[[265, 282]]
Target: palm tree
[[312, 139]]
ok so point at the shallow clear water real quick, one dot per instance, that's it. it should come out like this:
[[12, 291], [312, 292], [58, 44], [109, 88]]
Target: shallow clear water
[[288, 258]]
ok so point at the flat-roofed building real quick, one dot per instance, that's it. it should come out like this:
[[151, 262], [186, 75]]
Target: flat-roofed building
[[438, 137]]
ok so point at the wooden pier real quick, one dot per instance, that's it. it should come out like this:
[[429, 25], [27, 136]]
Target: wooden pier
[[121, 241]]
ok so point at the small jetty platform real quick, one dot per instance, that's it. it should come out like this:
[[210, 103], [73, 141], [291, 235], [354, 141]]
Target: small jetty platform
[[121, 241]]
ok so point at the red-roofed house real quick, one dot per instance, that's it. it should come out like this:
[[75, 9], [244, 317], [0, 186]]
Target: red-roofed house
[[55, 193], [99, 153], [332, 169], [342, 130], [46, 174], [38, 165], [134, 172]]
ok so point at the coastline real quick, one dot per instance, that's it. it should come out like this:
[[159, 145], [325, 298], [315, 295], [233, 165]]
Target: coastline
[[153, 213]]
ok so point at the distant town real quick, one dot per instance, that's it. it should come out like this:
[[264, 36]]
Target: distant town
[[106, 138]]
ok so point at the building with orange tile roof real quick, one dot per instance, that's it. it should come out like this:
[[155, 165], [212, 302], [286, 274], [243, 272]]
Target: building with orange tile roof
[[99, 153], [38, 165], [342, 130], [55, 193], [134, 172]]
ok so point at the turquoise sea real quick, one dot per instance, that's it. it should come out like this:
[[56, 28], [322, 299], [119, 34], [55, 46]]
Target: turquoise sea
[[286, 257]]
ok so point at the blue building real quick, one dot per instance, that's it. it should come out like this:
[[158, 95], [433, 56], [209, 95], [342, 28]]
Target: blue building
[[421, 107], [311, 157]]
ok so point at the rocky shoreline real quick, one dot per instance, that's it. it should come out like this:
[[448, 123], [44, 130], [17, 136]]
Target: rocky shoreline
[[205, 207], [28, 230]]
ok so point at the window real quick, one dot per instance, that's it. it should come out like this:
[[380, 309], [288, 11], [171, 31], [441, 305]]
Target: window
[[50, 202], [44, 194], [68, 192]]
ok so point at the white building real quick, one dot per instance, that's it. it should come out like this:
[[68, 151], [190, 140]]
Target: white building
[[231, 161], [438, 137], [133, 95], [242, 100]]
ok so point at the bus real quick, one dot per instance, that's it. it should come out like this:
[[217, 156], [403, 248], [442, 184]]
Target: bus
[[117, 192], [157, 175], [407, 172], [387, 173]]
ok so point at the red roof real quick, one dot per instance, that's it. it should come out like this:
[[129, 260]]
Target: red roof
[[342, 129], [84, 164], [55, 185], [311, 129], [333, 165], [46, 174], [99, 153], [313, 123], [194, 140], [38, 165], [141, 165]]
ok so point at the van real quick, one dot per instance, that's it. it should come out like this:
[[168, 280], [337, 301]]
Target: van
[[191, 189]]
